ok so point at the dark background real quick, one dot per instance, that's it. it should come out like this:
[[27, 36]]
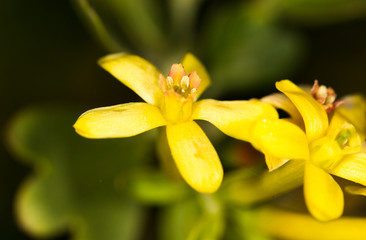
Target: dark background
[[47, 56]]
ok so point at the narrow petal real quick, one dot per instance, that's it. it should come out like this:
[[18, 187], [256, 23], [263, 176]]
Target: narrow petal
[[123, 120], [323, 196], [191, 64], [352, 167], [136, 73], [279, 139], [314, 115], [195, 156], [234, 118]]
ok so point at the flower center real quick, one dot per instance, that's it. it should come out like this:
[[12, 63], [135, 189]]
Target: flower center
[[343, 138], [183, 88], [180, 91], [327, 151], [325, 96]]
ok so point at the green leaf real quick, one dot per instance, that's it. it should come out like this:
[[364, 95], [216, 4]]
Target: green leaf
[[73, 186]]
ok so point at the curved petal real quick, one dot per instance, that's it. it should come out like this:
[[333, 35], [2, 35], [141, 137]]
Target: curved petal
[[352, 167], [281, 101], [136, 73], [233, 118], [191, 64], [353, 110], [122, 120], [274, 162], [314, 115], [279, 139], [323, 196], [195, 156]]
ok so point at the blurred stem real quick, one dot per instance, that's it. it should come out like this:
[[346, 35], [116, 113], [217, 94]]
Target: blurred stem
[[165, 157], [183, 14], [250, 190], [289, 225], [210, 225], [96, 26], [210, 204], [263, 11]]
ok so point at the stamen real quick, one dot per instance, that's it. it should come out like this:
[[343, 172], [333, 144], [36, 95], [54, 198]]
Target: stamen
[[325, 96], [184, 83], [330, 100], [185, 86], [170, 81], [321, 95]]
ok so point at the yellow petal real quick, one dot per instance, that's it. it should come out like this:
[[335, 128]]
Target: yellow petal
[[354, 111], [234, 118], [195, 156], [279, 139], [314, 116], [341, 140], [123, 120], [176, 108], [191, 64], [352, 167], [325, 153], [273, 162], [136, 73], [281, 101], [323, 196]]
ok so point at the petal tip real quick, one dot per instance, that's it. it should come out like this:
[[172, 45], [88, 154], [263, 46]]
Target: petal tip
[[82, 129], [110, 57], [285, 85], [211, 186]]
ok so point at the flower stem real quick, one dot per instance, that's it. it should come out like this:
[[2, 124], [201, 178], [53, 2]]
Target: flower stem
[[259, 188], [96, 26], [211, 223], [165, 157]]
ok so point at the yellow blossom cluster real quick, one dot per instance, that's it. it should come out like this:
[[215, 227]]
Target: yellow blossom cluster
[[325, 133]]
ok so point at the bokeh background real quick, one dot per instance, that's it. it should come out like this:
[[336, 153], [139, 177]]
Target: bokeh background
[[49, 52]]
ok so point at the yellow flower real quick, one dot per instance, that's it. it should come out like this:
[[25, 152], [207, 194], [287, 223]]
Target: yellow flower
[[171, 102], [329, 145]]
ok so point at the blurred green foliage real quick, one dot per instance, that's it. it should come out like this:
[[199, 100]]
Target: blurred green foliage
[[111, 189], [74, 182]]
